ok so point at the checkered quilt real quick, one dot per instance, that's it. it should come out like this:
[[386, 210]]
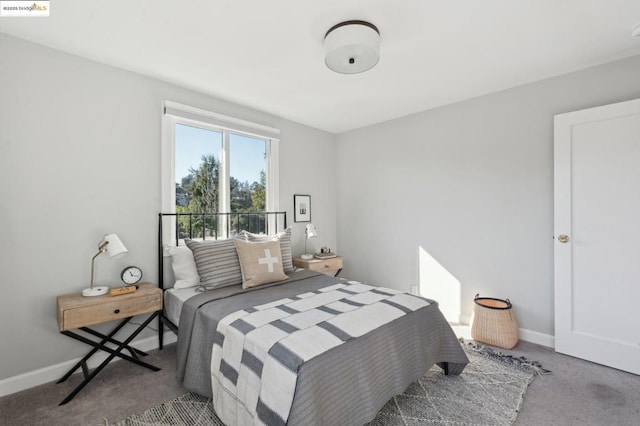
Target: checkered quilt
[[258, 352]]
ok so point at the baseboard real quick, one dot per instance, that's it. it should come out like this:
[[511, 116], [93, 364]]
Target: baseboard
[[537, 338], [526, 335], [54, 372]]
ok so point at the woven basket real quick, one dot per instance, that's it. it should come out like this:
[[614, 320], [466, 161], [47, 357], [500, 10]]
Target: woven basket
[[493, 322]]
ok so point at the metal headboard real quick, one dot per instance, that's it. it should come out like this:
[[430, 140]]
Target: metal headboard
[[213, 226], [209, 226]]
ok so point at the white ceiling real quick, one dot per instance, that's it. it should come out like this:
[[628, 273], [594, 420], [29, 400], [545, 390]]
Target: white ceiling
[[268, 55]]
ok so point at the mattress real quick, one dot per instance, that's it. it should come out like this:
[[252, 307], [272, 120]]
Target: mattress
[[174, 299]]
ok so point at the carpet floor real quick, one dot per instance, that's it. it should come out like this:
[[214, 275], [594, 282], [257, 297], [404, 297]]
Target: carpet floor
[[488, 392]]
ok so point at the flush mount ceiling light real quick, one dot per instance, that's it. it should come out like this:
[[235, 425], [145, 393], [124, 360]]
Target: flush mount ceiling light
[[635, 32], [352, 47]]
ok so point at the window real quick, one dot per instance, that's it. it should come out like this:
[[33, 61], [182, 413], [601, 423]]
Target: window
[[196, 168], [214, 163]]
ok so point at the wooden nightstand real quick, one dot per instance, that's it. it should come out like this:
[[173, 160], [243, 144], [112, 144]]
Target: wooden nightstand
[[78, 312], [331, 266]]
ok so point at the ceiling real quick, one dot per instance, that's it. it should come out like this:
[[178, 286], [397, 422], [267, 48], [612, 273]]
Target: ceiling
[[268, 55]]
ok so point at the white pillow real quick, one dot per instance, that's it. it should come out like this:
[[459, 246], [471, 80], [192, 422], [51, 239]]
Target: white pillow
[[184, 267]]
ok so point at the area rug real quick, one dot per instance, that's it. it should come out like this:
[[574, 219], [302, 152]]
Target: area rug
[[489, 391]]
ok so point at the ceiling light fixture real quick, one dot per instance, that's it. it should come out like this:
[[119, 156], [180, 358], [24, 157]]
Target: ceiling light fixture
[[636, 31], [352, 47]]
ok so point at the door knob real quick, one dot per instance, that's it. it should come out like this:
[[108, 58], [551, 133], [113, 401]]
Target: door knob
[[563, 238]]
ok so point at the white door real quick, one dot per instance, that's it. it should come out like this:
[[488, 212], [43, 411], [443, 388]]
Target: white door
[[597, 234]]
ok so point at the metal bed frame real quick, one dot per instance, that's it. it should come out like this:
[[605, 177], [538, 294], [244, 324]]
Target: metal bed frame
[[211, 224]]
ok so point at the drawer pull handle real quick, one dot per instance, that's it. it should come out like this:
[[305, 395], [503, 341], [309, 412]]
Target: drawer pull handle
[[326, 266], [117, 311]]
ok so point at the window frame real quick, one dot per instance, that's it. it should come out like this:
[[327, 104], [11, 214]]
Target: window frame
[[174, 113]]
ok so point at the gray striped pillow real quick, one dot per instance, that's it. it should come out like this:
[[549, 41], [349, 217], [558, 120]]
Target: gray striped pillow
[[285, 245], [217, 262]]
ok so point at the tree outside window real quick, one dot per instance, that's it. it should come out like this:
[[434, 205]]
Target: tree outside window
[[199, 180]]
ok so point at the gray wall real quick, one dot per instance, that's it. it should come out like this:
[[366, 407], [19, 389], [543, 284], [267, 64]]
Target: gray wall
[[472, 185], [463, 192], [80, 157]]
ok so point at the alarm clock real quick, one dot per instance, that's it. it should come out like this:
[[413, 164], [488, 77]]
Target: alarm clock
[[131, 275]]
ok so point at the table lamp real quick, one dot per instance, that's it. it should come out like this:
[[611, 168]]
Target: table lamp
[[112, 245], [309, 232]]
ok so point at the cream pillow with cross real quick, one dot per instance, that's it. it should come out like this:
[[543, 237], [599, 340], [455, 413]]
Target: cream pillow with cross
[[260, 262]]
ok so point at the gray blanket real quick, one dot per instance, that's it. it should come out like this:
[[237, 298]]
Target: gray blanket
[[346, 385]]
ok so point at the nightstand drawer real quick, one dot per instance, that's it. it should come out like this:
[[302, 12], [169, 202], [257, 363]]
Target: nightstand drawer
[[326, 266], [91, 311]]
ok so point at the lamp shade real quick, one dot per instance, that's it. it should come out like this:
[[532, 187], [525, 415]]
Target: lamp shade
[[352, 47], [310, 231], [115, 248]]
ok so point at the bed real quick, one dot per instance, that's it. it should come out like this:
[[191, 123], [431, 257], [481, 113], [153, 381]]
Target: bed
[[370, 343]]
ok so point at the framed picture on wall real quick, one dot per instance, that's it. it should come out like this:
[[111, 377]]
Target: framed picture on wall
[[301, 208]]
